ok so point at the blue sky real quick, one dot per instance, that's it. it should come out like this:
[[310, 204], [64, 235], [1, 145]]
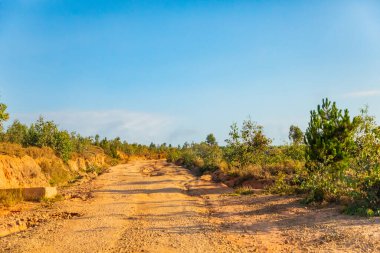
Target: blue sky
[[174, 71]]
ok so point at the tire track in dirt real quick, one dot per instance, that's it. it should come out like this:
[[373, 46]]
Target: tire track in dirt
[[141, 206], [154, 206]]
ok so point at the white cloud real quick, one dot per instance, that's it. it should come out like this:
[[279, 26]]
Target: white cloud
[[132, 126], [366, 93]]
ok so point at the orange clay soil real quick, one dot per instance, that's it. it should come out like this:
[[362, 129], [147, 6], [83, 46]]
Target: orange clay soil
[[153, 206]]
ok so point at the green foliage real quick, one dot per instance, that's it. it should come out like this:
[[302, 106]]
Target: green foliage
[[248, 155], [363, 176], [63, 145], [284, 185], [56, 171], [329, 137], [295, 135], [343, 159], [339, 159], [295, 152], [206, 155], [364, 211], [153, 151], [96, 170], [16, 133], [4, 116], [46, 134], [245, 190], [111, 147], [80, 144], [329, 147], [246, 146], [211, 140]]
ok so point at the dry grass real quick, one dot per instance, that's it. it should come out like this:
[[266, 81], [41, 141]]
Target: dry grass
[[245, 190], [17, 150], [55, 168], [10, 197]]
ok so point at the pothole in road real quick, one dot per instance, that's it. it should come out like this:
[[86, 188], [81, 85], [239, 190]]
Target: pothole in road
[[66, 215], [151, 172]]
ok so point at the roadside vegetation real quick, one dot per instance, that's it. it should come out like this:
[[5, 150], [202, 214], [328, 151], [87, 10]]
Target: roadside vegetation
[[62, 157], [337, 159]]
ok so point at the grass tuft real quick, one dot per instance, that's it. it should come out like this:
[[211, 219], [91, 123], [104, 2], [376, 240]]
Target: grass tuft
[[245, 190]]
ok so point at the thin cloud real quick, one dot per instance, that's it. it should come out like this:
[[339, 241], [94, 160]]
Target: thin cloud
[[132, 126], [360, 94]]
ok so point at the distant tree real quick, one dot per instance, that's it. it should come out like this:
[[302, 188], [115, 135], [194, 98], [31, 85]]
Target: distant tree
[[185, 145], [330, 145], [63, 145], [80, 143], [247, 145], [97, 137], [365, 186], [4, 116], [330, 135], [111, 147], [45, 132], [16, 133], [295, 135], [211, 140]]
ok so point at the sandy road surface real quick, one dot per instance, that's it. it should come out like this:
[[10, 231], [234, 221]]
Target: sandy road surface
[[142, 206], [152, 206]]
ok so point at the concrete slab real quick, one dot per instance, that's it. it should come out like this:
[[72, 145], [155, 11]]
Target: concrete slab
[[33, 193]]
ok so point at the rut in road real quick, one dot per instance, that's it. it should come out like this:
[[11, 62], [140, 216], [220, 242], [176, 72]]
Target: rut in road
[[165, 218], [143, 206], [153, 206]]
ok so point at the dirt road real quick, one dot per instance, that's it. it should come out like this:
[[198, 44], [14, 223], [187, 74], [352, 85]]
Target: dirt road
[[152, 206]]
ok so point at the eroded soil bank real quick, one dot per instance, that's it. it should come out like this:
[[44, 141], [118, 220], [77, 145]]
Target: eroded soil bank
[[153, 206]]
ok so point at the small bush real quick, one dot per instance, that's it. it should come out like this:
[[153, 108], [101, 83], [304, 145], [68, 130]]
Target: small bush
[[245, 190], [56, 171], [96, 170], [361, 211], [283, 185]]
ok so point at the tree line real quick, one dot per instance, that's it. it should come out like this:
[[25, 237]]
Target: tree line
[[337, 159], [44, 133]]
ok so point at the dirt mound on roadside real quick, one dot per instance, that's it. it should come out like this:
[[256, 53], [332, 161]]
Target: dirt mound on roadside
[[20, 172], [37, 167]]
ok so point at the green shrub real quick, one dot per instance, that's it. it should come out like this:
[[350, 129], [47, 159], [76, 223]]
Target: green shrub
[[363, 210], [246, 146], [95, 169], [245, 190], [207, 156], [46, 134], [329, 147], [63, 145], [284, 185], [295, 135], [4, 116], [56, 171], [16, 133]]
